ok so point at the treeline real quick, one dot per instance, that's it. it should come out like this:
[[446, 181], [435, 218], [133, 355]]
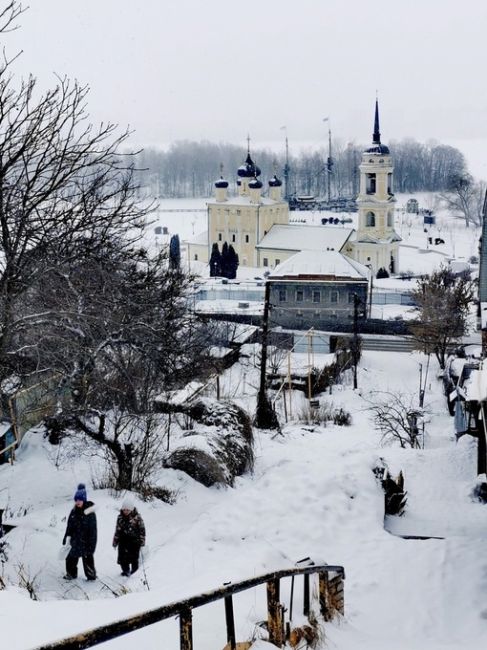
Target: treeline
[[189, 169]]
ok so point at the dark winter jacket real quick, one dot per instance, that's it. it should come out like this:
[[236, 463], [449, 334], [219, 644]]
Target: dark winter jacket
[[82, 530], [130, 530]]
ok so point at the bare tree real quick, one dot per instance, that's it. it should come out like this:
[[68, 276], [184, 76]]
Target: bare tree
[[465, 197], [61, 180], [396, 417], [443, 301]]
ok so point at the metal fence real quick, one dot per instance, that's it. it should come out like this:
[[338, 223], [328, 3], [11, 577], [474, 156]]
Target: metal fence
[[330, 597]]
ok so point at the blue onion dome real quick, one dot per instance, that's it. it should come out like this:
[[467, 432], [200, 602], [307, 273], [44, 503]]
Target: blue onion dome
[[255, 184], [249, 169], [275, 182], [379, 148], [221, 183]]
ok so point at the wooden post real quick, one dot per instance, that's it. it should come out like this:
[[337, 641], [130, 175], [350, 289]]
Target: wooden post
[[230, 621], [306, 595], [289, 383], [323, 591], [274, 620], [309, 365], [186, 629]]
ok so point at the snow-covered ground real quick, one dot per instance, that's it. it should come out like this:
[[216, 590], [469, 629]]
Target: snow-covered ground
[[312, 493]]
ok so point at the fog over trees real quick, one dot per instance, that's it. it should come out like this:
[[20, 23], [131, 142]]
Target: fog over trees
[[189, 169]]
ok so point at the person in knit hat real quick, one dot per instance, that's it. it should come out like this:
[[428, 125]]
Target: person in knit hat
[[81, 532], [129, 537]]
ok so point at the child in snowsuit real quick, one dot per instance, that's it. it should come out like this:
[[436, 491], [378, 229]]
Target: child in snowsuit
[[129, 537], [81, 529]]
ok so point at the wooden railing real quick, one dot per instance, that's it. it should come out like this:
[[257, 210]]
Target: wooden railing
[[331, 603]]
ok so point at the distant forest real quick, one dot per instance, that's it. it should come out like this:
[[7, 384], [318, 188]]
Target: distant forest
[[189, 169]]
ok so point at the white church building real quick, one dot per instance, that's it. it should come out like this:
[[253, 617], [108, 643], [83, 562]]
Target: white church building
[[256, 223]]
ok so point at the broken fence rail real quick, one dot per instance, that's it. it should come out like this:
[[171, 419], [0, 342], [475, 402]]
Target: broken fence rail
[[330, 599]]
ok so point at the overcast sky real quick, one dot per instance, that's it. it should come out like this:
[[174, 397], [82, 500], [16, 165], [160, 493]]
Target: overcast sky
[[219, 69]]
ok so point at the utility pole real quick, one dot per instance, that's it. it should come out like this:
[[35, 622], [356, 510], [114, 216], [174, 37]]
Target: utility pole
[[355, 339], [265, 418], [286, 171], [329, 163]]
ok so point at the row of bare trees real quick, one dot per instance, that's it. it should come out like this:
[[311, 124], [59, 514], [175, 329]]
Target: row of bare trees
[[190, 168]]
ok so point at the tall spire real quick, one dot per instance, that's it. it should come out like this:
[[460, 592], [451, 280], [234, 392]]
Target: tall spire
[[376, 135]]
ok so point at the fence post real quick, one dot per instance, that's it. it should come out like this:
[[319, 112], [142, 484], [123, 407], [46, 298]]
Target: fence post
[[186, 629], [230, 622], [274, 620], [306, 595], [323, 590]]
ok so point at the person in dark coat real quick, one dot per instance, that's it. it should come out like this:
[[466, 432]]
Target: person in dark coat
[[81, 531], [129, 537]]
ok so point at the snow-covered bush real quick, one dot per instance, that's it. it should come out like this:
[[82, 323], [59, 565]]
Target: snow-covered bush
[[218, 447]]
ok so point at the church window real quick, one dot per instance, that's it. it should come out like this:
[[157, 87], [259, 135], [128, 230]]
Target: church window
[[299, 295], [299, 314], [233, 238], [196, 256], [278, 261], [265, 233], [246, 239], [371, 183], [265, 261], [238, 212], [316, 296], [350, 296], [389, 183], [333, 296], [390, 220], [282, 295], [219, 236], [370, 219]]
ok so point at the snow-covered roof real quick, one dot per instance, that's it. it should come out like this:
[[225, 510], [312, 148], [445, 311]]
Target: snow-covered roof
[[321, 263], [201, 239], [302, 237]]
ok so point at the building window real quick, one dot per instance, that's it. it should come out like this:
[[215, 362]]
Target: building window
[[196, 256], [265, 261], [278, 261], [246, 239], [350, 297], [333, 296], [265, 233], [233, 238], [390, 220], [299, 314], [219, 236], [239, 212], [370, 220], [389, 183], [299, 295], [316, 296], [282, 295], [370, 183]]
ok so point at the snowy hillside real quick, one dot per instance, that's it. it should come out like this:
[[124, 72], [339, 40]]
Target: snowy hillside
[[312, 494]]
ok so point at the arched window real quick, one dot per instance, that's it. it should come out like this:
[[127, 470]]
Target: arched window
[[370, 220], [390, 220]]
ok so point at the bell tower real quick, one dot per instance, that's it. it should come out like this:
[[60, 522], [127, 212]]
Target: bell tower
[[376, 243]]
